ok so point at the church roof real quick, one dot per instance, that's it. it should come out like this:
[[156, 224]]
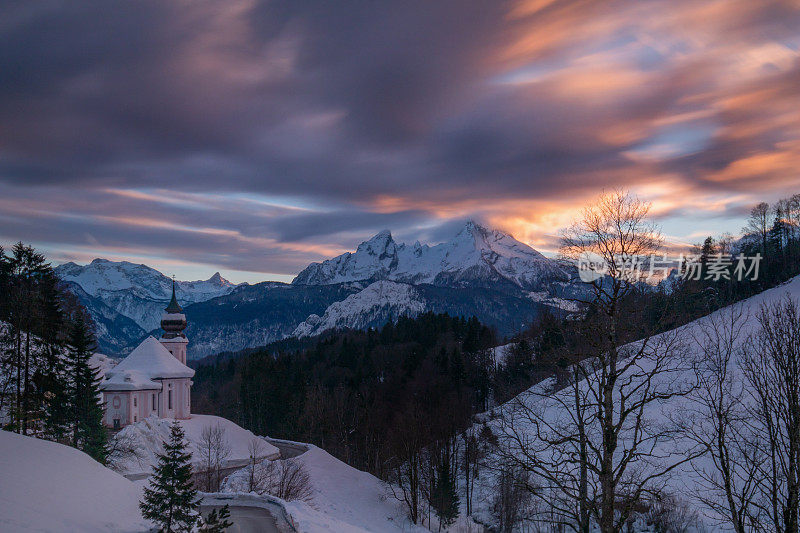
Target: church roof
[[148, 362]]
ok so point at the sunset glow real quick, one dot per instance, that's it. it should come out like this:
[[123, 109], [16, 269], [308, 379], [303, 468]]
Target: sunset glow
[[274, 134]]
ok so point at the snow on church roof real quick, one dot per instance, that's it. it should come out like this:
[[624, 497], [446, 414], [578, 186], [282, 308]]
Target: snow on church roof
[[148, 362]]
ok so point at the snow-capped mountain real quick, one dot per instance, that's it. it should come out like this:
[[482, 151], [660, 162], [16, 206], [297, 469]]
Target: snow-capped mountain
[[126, 300], [480, 272], [476, 256], [102, 278], [375, 305]]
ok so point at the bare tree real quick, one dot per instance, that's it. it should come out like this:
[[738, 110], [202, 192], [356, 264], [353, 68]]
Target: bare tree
[[772, 369], [123, 449], [593, 449], [286, 479], [407, 438], [718, 422], [213, 450], [758, 224], [668, 513], [512, 500], [255, 452]]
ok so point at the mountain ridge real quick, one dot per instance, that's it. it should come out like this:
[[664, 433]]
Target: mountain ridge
[[479, 272], [476, 256]]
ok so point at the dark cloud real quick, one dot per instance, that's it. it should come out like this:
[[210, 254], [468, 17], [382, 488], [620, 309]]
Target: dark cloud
[[353, 116]]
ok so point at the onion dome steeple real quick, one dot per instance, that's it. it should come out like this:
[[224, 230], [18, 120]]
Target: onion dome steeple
[[174, 321], [173, 306]]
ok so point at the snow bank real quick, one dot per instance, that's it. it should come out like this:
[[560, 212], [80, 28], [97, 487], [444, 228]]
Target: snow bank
[[147, 436], [349, 496], [343, 499], [51, 487]]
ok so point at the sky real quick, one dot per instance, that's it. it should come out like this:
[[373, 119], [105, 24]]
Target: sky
[[253, 137]]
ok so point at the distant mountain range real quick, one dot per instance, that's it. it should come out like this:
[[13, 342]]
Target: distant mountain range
[[481, 272]]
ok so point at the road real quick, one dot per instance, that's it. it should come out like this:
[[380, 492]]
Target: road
[[248, 519]]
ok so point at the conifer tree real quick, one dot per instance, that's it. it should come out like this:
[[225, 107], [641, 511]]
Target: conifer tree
[[444, 496], [86, 416], [216, 522], [170, 499]]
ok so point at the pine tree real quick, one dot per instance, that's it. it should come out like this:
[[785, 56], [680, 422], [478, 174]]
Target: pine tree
[[86, 416], [52, 377], [170, 499], [216, 522], [444, 497]]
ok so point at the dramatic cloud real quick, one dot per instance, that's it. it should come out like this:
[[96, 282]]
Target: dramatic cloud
[[252, 136]]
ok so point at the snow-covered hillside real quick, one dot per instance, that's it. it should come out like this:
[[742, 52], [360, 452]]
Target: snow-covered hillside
[[148, 435], [380, 302], [138, 291], [476, 255], [47, 486], [684, 480], [343, 499]]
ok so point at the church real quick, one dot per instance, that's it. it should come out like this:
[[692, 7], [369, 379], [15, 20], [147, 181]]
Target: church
[[154, 378]]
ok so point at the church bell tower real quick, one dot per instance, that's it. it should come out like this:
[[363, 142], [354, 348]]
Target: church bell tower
[[173, 322]]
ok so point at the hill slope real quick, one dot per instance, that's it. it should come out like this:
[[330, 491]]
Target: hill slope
[[51, 487], [684, 481]]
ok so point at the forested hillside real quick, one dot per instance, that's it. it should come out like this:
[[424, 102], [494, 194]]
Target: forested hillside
[[351, 393]]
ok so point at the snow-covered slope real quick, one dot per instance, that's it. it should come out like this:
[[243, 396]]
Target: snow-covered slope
[[476, 256], [375, 305], [684, 481], [344, 499], [45, 486], [149, 434], [138, 291]]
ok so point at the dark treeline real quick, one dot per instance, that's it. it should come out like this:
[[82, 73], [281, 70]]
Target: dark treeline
[[47, 387], [351, 392], [772, 233]]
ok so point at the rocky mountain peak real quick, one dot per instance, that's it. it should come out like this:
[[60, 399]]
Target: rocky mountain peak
[[382, 244], [476, 255]]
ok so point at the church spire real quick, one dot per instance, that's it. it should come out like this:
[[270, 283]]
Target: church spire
[[173, 306]]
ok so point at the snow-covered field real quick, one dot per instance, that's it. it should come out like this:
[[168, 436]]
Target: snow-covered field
[[45, 486], [147, 436]]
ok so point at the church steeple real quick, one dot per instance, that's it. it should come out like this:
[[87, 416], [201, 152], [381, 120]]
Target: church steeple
[[173, 306], [174, 321]]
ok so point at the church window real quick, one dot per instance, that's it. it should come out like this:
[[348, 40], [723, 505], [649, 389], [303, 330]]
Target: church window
[[134, 401], [169, 399]]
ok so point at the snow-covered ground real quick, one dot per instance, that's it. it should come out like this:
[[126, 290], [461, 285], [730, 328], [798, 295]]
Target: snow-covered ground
[[45, 486], [102, 363], [149, 434]]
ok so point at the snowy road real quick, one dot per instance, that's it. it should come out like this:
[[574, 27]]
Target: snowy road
[[248, 519]]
